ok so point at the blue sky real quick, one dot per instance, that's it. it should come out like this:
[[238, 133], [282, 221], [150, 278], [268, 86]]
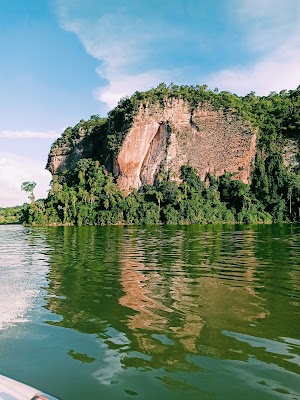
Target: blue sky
[[64, 60]]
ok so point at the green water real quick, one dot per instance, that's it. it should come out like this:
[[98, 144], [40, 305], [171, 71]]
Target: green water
[[197, 312]]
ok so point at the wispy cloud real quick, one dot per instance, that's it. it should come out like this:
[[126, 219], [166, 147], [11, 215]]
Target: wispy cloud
[[267, 23], [27, 134], [137, 51], [275, 71], [124, 46], [272, 35], [14, 170]]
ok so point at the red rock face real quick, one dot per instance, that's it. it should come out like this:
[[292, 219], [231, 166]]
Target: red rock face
[[167, 137], [171, 136]]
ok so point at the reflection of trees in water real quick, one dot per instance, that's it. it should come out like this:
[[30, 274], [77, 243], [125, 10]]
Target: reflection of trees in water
[[84, 264], [170, 291], [277, 249]]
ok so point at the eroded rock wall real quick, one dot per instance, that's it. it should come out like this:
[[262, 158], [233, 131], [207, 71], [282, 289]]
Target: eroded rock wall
[[172, 135], [64, 159], [68, 150], [66, 156], [166, 136]]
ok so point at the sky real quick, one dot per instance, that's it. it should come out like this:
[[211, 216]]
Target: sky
[[65, 60]]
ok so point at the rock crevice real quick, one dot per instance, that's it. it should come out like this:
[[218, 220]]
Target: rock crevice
[[156, 155]]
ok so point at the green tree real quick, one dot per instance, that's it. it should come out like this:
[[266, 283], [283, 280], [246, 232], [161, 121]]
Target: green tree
[[28, 187]]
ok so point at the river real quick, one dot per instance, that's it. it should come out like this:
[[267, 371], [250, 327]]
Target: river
[[191, 312]]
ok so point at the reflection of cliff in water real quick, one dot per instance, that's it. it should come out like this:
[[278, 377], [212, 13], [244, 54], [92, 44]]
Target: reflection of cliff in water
[[188, 299], [169, 291]]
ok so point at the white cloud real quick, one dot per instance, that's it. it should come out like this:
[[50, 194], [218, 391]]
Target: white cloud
[[273, 32], [125, 46], [27, 134], [119, 44], [274, 72], [14, 170], [267, 23]]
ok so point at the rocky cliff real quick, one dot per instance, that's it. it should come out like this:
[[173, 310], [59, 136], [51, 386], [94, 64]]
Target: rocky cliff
[[165, 137], [169, 136], [66, 155], [85, 140], [179, 134]]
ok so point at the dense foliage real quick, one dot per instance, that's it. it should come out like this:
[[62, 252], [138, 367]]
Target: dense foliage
[[88, 195], [11, 215], [91, 197]]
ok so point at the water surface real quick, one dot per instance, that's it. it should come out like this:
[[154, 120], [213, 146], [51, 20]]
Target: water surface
[[197, 312]]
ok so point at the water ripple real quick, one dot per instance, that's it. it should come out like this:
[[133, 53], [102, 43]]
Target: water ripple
[[22, 267]]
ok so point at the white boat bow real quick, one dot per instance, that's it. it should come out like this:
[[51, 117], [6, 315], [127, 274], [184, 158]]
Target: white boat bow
[[14, 390]]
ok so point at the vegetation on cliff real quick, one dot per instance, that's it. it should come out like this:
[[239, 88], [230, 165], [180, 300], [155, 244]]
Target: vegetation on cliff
[[72, 135], [91, 135], [89, 195]]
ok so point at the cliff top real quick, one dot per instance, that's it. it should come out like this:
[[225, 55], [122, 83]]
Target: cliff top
[[121, 117], [277, 113]]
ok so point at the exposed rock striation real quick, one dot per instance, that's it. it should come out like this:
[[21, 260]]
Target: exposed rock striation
[[167, 137], [66, 155], [86, 140]]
